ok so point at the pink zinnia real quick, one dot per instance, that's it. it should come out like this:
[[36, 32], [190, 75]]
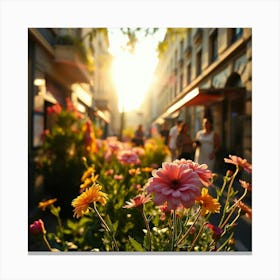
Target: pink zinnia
[[128, 157], [204, 174], [240, 162], [174, 183]]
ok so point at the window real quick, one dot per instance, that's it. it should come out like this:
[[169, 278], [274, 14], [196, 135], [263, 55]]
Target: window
[[175, 88], [188, 74], [182, 49], [198, 63], [213, 46], [235, 33], [181, 82], [175, 59]]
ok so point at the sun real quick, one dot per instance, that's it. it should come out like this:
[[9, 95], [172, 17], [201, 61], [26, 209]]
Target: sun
[[133, 73], [132, 78]]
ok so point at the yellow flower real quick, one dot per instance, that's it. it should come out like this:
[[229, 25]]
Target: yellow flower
[[87, 173], [83, 201], [44, 204], [208, 203]]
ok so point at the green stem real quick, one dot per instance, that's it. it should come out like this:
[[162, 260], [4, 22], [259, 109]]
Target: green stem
[[106, 226], [174, 231], [147, 227], [228, 195], [56, 214], [233, 209], [198, 234], [225, 243], [47, 242], [187, 232]]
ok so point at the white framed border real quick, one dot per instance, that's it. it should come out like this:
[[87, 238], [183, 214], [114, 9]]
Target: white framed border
[[17, 16]]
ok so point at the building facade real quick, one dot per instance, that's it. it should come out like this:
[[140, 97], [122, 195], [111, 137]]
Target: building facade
[[207, 71]]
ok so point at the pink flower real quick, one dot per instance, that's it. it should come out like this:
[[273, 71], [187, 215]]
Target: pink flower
[[174, 183], [118, 177], [204, 174], [240, 162], [138, 151], [109, 172], [137, 201], [128, 157], [113, 144], [37, 227]]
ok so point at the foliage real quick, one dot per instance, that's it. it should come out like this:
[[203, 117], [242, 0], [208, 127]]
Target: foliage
[[59, 159]]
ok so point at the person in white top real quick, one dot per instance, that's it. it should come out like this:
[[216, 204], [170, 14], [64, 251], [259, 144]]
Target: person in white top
[[173, 133], [206, 144]]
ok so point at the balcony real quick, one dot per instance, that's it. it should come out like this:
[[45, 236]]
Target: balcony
[[69, 63]]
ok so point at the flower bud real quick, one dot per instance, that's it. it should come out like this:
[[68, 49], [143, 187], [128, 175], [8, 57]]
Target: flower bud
[[37, 227], [229, 173]]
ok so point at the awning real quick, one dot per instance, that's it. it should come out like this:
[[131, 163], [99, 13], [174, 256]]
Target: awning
[[102, 115], [196, 97]]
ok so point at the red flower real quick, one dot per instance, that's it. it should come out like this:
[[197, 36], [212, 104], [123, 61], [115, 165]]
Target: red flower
[[55, 109], [37, 227], [216, 230]]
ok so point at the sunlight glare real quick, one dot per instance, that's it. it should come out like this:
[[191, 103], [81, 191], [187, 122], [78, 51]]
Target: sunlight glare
[[133, 73]]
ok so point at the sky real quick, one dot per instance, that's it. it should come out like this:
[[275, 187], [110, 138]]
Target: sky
[[133, 73]]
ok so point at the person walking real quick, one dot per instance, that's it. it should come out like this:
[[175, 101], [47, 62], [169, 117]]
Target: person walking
[[184, 143], [138, 139], [206, 144], [173, 133], [164, 133]]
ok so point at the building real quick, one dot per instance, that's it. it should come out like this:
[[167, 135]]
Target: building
[[207, 71], [64, 63]]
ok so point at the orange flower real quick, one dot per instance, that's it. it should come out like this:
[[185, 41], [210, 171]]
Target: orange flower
[[44, 204], [88, 181], [208, 203], [134, 171], [245, 208], [83, 201], [147, 169], [87, 173], [246, 185]]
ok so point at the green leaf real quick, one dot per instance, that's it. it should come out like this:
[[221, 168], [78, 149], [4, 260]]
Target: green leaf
[[136, 245]]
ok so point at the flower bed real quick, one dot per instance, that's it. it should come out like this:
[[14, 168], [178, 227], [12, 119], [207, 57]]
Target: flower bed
[[130, 199]]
